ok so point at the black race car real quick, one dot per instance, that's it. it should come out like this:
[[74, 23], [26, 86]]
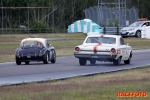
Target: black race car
[[35, 49]]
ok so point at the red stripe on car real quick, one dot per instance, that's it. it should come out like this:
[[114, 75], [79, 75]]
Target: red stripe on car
[[95, 47], [102, 35]]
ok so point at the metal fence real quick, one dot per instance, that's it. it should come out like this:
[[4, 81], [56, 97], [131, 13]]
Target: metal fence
[[112, 30], [104, 15]]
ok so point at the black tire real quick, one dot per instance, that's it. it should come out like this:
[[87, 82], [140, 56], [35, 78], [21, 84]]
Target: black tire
[[93, 61], [54, 57], [128, 61], [82, 61], [18, 62], [117, 62], [125, 36], [27, 62], [45, 58], [138, 34]]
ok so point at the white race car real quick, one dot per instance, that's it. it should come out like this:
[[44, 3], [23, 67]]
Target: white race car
[[103, 48]]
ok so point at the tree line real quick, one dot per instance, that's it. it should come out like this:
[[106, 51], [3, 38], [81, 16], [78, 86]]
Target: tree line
[[57, 14]]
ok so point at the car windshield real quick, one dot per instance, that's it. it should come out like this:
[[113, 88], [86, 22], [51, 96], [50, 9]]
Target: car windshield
[[105, 40], [135, 24], [31, 44]]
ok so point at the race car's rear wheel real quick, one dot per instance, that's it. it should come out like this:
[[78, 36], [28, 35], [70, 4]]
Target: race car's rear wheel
[[93, 61], [27, 62], [46, 58], [82, 61], [54, 57], [117, 62], [18, 62]]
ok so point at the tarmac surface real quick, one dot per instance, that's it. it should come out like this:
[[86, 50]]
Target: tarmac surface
[[65, 67]]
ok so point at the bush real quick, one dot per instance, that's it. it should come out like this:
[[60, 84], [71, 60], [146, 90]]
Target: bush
[[112, 23]]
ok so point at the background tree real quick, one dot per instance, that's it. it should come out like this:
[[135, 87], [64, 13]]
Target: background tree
[[67, 12]]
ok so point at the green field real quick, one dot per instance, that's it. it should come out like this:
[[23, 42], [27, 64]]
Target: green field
[[9, 43]]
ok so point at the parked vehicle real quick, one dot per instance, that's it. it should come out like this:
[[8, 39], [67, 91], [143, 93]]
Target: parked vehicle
[[134, 30], [35, 49]]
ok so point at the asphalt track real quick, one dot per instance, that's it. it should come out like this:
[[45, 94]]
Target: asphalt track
[[65, 67]]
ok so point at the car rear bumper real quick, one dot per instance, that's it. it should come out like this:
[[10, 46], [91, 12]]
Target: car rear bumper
[[31, 58], [100, 57]]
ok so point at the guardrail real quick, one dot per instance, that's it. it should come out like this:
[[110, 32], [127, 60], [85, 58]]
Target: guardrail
[[112, 30]]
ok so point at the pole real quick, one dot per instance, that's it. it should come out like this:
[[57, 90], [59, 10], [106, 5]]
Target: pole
[[53, 17], [2, 18], [28, 17]]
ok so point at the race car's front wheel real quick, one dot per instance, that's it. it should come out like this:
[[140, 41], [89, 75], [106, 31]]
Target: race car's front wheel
[[92, 61], [82, 61]]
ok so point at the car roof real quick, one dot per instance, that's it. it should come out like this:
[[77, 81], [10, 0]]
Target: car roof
[[104, 35], [41, 40], [143, 21]]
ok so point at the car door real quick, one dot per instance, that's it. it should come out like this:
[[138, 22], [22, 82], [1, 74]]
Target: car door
[[125, 49]]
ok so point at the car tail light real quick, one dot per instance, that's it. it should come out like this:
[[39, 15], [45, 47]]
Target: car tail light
[[77, 49], [113, 50]]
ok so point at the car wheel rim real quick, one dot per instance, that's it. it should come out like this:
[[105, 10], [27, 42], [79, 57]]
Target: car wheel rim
[[139, 34]]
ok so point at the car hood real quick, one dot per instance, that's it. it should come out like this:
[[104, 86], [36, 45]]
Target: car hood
[[127, 28]]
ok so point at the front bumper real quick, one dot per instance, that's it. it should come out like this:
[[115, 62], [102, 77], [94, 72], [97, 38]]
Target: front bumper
[[128, 33], [99, 57]]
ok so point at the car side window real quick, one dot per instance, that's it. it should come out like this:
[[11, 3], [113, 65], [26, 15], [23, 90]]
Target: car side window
[[146, 24], [121, 41], [40, 44]]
